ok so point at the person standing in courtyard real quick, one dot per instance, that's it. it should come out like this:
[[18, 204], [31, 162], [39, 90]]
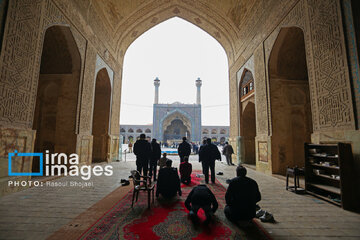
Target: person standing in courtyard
[[200, 159], [142, 150], [241, 197], [155, 156], [228, 151], [208, 155], [184, 149], [130, 146]]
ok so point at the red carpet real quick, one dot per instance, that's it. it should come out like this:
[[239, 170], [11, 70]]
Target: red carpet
[[167, 220]]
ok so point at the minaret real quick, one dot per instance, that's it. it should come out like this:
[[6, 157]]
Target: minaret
[[198, 84], [156, 84]]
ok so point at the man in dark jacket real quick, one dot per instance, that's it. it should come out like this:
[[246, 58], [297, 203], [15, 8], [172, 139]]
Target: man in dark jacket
[[241, 197], [168, 183], [142, 150], [185, 171], [155, 156], [201, 197], [200, 159], [208, 154], [228, 151], [184, 149]]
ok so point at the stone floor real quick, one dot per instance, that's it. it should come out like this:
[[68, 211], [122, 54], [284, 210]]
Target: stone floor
[[37, 212]]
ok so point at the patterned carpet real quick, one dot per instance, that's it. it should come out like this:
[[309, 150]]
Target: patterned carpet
[[168, 220]]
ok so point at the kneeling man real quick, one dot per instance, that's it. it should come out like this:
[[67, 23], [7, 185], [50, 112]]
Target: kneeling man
[[241, 197], [168, 183], [201, 197]]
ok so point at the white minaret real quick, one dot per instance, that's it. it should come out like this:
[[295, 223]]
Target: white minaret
[[156, 84], [198, 84]]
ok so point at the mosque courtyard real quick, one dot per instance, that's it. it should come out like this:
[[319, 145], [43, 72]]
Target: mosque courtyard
[[66, 212]]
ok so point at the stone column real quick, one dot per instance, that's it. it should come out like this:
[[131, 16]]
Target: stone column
[[198, 84], [156, 84]]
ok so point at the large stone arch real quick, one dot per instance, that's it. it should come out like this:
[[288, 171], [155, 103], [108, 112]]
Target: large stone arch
[[101, 116], [291, 117], [247, 113], [219, 27], [56, 109]]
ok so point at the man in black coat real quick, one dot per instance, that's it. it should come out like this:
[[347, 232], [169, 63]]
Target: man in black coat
[[201, 197], [200, 159], [155, 156], [184, 149], [241, 197], [142, 150], [168, 183], [208, 154], [228, 151]]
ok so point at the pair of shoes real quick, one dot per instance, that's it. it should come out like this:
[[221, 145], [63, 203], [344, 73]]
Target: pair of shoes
[[220, 173], [125, 183], [123, 180], [260, 213], [267, 217]]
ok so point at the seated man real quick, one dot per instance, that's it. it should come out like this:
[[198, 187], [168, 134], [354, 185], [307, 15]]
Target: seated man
[[201, 197], [241, 197], [185, 171], [168, 183], [162, 161]]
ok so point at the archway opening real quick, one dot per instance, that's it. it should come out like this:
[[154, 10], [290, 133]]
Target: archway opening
[[57, 94], [247, 116], [290, 100], [249, 132], [188, 51], [101, 116], [176, 131]]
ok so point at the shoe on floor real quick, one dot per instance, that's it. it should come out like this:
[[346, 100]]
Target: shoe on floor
[[125, 183], [260, 213], [267, 217], [123, 180], [220, 173]]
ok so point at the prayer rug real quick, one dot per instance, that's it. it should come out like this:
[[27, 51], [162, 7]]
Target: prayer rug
[[169, 219]]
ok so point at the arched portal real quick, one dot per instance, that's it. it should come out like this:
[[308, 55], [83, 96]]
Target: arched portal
[[101, 116], [179, 19], [176, 131], [247, 116], [249, 132], [57, 94], [290, 100], [176, 126]]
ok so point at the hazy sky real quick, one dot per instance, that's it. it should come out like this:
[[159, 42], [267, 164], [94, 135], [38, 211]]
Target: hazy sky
[[177, 52]]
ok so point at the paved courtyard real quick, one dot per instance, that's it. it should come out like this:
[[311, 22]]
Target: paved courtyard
[[37, 212]]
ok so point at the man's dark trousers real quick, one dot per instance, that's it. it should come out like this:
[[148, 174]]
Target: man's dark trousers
[[153, 168], [206, 166], [182, 158], [142, 167]]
